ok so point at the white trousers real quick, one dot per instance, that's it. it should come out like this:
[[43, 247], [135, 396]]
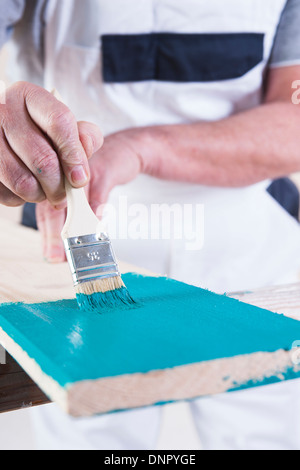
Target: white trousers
[[263, 418]]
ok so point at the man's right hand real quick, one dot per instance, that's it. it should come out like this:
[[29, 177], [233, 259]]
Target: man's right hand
[[40, 143]]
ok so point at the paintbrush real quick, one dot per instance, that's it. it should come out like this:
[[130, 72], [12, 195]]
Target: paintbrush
[[96, 275]]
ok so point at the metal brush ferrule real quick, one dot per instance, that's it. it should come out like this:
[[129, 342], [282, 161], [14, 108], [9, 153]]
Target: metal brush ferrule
[[91, 257]]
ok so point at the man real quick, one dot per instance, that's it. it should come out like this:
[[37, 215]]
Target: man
[[194, 100]]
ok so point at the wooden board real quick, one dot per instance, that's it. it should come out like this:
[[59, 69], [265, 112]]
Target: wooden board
[[179, 343]]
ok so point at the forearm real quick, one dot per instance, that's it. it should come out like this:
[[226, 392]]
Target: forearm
[[263, 143]]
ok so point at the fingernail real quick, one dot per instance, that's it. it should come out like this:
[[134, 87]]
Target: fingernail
[[61, 206], [79, 175]]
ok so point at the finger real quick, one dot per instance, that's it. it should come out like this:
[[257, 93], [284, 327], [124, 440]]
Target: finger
[[40, 220], [57, 121], [16, 176], [8, 198], [50, 223], [39, 157], [64, 203], [55, 220], [91, 137], [98, 196]]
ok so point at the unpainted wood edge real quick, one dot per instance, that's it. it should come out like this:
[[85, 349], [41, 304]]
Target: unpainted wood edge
[[282, 299], [48, 385], [181, 383]]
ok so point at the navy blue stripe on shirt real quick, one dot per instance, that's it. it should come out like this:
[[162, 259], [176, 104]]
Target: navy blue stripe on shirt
[[180, 57]]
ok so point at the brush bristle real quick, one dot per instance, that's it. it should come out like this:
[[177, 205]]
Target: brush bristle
[[107, 292], [100, 286]]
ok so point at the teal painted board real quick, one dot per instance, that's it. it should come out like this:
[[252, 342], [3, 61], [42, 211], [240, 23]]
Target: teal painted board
[[172, 327]]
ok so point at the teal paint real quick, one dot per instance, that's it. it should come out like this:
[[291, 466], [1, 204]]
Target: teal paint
[[172, 324], [111, 299]]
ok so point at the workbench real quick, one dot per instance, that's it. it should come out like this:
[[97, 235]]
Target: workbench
[[18, 390]]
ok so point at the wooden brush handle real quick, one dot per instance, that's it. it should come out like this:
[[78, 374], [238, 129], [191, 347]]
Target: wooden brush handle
[[81, 220]]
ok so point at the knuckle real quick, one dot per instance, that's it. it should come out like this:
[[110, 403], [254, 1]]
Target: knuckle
[[60, 118], [57, 199], [62, 128], [19, 85], [30, 91], [71, 156], [18, 88], [15, 98], [17, 92], [46, 162], [25, 186], [9, 199]]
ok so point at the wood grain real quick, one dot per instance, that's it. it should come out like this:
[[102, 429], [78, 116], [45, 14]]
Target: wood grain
[[280, 299]]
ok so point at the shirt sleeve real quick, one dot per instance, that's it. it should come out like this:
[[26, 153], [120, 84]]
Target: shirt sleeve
[[11, 11], [286, 48]]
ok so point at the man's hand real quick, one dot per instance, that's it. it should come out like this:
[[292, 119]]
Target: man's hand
[[40, 143], [118, 162]]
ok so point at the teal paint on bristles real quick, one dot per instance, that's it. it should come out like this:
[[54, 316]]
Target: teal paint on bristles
[[95, 271], [103, 293]]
